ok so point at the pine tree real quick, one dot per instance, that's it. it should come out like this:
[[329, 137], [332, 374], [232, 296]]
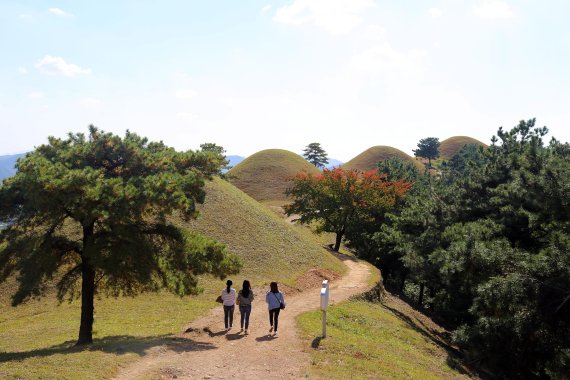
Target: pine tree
[[93, 212], [316, 155]]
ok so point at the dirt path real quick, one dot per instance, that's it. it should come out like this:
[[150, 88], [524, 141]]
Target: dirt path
[[208, 352]]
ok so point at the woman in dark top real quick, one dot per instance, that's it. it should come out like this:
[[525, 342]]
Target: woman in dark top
[[245, 296]]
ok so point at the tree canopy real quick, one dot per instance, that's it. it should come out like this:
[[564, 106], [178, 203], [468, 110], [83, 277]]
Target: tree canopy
[[216, 157], [428, 148], [92, 213], [490, 240], [316, 155], [340, 200]]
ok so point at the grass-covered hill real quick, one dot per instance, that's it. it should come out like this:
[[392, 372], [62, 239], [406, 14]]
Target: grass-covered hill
[[36, 339], [452, 145], [269, 246], [368, 159], [264, 174]]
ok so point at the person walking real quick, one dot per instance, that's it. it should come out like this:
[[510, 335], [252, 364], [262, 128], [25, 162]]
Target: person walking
[[275, 302], [245, 296], [229, 300]]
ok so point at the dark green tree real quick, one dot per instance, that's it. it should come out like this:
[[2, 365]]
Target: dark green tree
[[316, 155], [493, 243], [428, 148], [92, 213], [397, 169], [216, 157]]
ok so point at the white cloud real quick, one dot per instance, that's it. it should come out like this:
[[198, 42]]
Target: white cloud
[[57, 65], [90, 103], [266, 9], [186, 117], [384, 60], [435, 12], [491, 9], [374, 32], [186, 94], [335, 16], [36, 95], [59, 12], [22, 70]]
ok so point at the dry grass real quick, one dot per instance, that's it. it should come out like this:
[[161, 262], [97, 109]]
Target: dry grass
[[449, 147], [368, 159], [263, 175]]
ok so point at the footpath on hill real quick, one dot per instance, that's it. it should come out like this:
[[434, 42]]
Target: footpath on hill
[[206, 351]]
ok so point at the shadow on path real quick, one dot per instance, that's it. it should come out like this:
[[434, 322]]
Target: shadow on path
[[119, 345], [265, 338]]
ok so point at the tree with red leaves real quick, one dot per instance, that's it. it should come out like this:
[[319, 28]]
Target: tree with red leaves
[[340, 201]]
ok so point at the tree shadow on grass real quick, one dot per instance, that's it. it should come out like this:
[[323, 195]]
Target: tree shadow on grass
[[118, 345]]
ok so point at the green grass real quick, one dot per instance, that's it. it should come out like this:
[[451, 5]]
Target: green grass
[[264, 174], [368, 159], [370, 341], [270, 248], [36, 339]]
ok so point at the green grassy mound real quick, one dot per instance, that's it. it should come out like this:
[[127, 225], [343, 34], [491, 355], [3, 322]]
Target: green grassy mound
[[368, 159], [449, 147], [36, 339], [377, 341], [263, 175], [270, 248]]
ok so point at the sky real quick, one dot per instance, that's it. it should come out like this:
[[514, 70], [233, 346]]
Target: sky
[[258, 74]]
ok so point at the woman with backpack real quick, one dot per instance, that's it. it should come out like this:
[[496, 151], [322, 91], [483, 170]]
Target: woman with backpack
[[275, 303], [245, 296]]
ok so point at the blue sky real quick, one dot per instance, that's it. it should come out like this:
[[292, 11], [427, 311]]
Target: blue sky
[[253, 75]]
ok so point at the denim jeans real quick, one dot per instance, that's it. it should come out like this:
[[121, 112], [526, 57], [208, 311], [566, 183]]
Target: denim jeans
[[245, 311], [228, 316]]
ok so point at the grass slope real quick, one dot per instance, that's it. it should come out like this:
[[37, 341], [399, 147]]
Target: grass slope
[[36, 339], [270, 248], [449, 147], [378, 341], [263, 175], [368, 159]]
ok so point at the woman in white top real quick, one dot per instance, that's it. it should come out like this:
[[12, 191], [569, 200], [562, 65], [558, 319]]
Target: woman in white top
[[229, 300]]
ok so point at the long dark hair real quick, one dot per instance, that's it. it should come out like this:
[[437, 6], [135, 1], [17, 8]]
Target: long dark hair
[[245, 289], [229, 283], [273, 287]]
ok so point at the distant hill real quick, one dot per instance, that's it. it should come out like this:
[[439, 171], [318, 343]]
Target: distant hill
[[368, 159], [8, 165], [234, 160], [333, 163], [452, 145], [264, 175]]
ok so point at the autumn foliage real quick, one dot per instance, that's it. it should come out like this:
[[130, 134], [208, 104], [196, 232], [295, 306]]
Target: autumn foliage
[[342, 201]]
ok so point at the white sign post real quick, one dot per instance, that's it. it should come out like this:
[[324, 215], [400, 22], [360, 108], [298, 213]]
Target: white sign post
[[325, 304]]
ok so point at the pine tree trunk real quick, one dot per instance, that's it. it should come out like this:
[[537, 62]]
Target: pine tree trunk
[[337, 242], [87, 292], [421, 296]]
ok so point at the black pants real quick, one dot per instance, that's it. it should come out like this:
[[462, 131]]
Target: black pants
[[228, 316], [274, 318]]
